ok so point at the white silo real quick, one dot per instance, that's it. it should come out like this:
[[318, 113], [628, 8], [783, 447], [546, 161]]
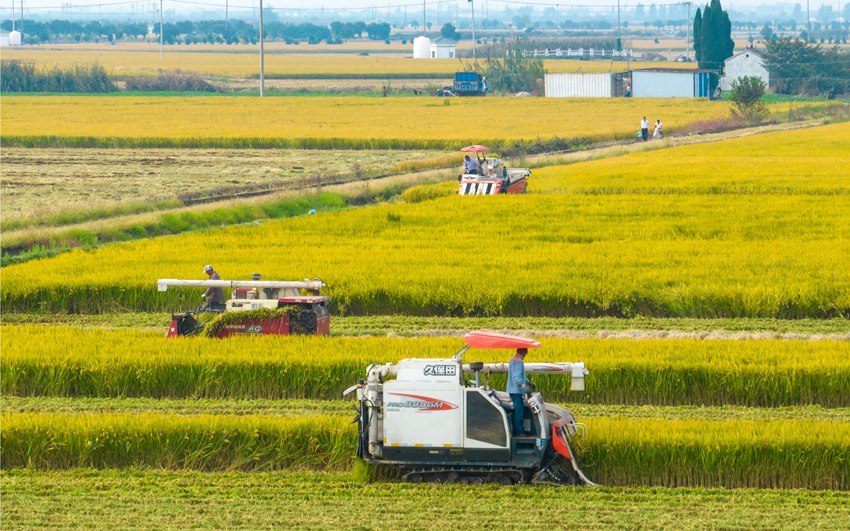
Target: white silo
[[421, 47], [14, 38]]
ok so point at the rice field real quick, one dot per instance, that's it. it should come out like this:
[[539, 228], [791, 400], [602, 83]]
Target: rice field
[[773, 244], [617, 452], [98, 363], [330, 122]]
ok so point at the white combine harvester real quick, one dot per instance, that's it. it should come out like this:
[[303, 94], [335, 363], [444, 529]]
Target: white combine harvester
[[425, 417]]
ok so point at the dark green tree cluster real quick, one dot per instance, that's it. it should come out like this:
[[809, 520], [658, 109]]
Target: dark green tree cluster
[[797, 67], [713, 42], [18, 76]]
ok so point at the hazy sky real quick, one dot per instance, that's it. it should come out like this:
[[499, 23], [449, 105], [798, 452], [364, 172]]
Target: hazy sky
[[412, 6]]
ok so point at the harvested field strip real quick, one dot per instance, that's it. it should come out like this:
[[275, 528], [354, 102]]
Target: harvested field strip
[[623, 452], [224, 62], [164, 499], [59, 361], [345, 408], [412, 326]]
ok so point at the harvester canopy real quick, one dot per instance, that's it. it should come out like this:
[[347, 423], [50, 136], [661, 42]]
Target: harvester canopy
[[494, 340], [475, 149]]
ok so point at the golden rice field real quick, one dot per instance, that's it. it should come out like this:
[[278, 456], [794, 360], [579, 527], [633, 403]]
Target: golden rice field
[[394, 123], [619, 452], [238, 63], [793, 162], [69, 361], [695, 253]]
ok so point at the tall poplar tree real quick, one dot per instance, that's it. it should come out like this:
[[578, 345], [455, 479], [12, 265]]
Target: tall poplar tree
[[713, 42]]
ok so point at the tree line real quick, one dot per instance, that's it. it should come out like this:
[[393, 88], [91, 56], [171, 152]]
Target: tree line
[[205, 31]]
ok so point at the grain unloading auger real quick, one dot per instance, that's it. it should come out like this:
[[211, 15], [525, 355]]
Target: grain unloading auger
[[426, 417]]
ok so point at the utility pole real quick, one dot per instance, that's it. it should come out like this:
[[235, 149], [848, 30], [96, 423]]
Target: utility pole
[[226, 18], [424, 26], [688, 33], [808, 23], [619, 40], [161, 52], [472, 3], [262, 56]]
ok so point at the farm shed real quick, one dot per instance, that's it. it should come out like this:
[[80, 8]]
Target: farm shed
[[670, 83], [442, 48], [598, 85], [750, 62]]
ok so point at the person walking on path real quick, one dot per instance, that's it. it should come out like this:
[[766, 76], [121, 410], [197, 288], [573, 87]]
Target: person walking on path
[[659, 130], [644, 129], [214, 295], [518, 385]]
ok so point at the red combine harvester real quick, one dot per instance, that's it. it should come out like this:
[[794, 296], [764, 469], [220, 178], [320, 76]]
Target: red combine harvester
[[492, 177], [253, 305]]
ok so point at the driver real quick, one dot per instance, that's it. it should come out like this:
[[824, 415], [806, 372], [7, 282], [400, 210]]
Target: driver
[[214, 295], [518, 385], [471, 165]]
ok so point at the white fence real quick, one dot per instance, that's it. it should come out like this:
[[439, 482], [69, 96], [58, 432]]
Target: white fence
[[579, 53]]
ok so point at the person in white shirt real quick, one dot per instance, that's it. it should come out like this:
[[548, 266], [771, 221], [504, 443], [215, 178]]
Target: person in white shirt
[[644, 129], [659, 130], [470, 165]]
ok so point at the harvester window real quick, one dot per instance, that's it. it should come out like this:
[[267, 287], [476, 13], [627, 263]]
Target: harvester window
[[484, 420]]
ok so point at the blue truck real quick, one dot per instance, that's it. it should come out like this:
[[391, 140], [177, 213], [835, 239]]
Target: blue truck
[[467, 84]]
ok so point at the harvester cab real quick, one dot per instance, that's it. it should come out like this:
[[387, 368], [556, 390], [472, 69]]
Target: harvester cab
[[427, 418], [491, 177], [285, 308]]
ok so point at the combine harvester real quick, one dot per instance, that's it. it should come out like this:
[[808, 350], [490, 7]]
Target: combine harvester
[[300, 314], [424, 417], [493, 177]]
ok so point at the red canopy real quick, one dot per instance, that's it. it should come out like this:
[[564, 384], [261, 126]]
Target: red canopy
[[475, 149], [493, 340]]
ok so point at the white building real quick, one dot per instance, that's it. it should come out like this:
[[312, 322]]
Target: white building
[[442, 48], [597, 85], [670, 83], [750, 62]]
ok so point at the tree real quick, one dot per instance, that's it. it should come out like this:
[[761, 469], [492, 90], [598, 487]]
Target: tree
[[767, 32], [508, 70], [714, 31], [746, 99], [448, 31]]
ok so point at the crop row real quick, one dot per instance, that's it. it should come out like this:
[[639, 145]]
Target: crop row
[[676, 453], [165, 499], [59, 361]]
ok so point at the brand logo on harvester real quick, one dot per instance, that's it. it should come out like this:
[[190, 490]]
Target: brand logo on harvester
[[422, 403]]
